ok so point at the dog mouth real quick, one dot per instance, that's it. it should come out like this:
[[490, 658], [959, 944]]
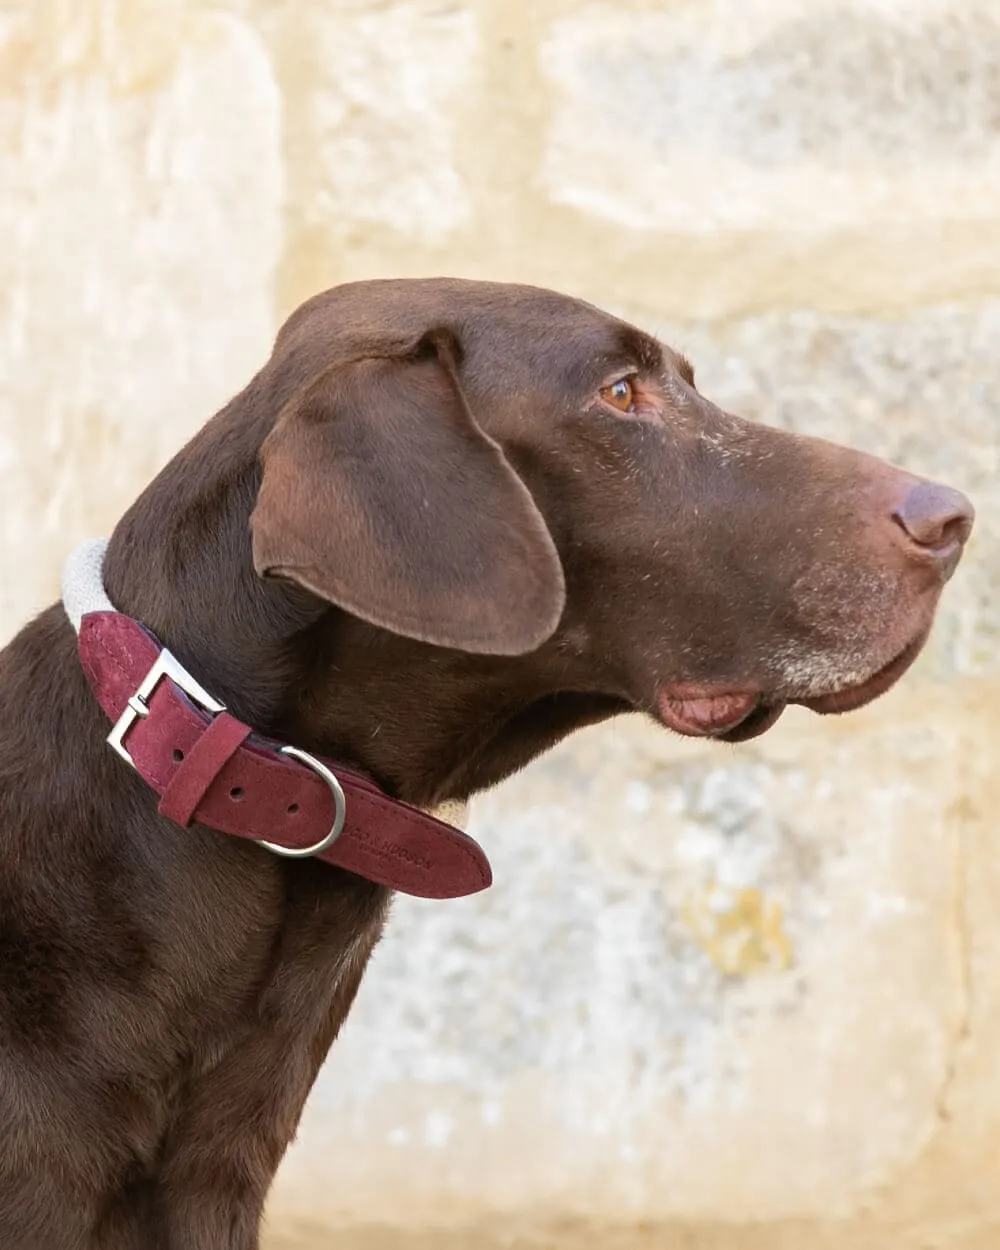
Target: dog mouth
[[699, 710]]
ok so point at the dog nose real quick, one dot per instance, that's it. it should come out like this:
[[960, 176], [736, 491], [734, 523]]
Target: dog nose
[[936, 518]]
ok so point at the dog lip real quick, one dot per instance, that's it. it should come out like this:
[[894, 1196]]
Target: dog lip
[[853, 697], [704, 711]]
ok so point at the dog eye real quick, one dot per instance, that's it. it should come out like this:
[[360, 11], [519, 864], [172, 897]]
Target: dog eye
[[620, 395]]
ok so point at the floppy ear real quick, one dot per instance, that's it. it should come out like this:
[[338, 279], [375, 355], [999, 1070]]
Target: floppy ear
[[381, 494]]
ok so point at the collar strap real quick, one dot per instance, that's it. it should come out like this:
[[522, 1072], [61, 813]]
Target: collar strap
[[210, 769]]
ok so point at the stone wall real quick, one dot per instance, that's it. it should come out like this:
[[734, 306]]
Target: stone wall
[[738, 998]]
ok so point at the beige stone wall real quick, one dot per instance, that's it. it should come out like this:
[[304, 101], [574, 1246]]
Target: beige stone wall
[[731, 999]]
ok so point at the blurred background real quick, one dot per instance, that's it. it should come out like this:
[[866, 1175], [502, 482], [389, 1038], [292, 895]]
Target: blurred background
[[734, 999]]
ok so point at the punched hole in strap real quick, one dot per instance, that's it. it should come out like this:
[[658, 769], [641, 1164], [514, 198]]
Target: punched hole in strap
[[223, 737]]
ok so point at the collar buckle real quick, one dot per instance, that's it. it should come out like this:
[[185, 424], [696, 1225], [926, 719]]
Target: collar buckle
[[166, 665]]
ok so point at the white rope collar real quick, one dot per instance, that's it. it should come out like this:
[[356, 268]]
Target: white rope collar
[[83, 584]]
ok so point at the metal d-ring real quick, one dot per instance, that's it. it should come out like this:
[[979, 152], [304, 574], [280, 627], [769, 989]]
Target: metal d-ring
[[339, 813]]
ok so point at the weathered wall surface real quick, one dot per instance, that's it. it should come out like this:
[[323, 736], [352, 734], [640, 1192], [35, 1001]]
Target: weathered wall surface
[[738, 998]]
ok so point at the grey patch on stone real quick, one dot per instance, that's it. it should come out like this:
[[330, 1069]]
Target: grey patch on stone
[[573, 962], [835, 86], [471, 1000]]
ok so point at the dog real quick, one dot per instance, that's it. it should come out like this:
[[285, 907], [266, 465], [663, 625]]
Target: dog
[[445, 525]]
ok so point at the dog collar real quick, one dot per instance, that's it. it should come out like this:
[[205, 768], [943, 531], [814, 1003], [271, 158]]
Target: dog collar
[[210, 769]]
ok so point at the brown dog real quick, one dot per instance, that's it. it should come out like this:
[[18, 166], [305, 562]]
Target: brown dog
[[445, 525]]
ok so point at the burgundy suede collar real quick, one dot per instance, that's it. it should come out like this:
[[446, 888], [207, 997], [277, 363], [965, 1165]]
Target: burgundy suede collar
[[210, 769]]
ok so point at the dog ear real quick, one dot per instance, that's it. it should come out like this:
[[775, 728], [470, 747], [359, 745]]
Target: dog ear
[[381, 494]]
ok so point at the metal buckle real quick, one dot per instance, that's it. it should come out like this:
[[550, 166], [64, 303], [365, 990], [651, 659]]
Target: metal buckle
[[339, 813], [138, 705]]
